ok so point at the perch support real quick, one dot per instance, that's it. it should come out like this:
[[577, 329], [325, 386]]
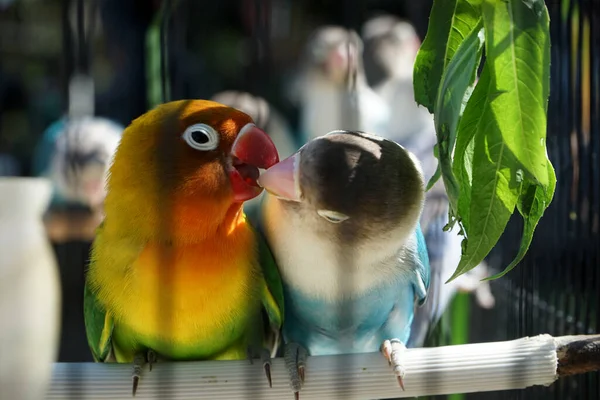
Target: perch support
[[482, 367]]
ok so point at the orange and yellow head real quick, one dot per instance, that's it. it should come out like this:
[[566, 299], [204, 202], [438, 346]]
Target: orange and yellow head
[[184, 167]]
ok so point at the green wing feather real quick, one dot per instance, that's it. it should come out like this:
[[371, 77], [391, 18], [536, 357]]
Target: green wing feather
[[98, 326], [272, 298], [98, 323]]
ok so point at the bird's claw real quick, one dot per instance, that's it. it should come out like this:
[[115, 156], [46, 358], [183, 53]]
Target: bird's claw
[[265, 358], [138, 364], [267, 368], [152, 358], [393, 351], [294, 356], [136, 380]]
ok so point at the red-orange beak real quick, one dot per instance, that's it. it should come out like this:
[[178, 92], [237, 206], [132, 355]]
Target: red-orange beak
[[252, 149]]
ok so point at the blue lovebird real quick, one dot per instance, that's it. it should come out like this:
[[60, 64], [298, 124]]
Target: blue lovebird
[[342, 220], [391, 46]]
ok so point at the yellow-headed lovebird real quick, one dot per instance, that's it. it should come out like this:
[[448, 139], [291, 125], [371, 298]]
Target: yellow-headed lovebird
[[176, 270]]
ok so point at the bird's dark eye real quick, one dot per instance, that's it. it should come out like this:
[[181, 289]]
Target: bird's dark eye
[[201, 137]]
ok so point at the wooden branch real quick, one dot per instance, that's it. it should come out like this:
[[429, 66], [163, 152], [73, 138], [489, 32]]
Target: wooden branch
[[578, 354]]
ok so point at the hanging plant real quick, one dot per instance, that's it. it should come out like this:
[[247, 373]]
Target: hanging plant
[[491, 133]]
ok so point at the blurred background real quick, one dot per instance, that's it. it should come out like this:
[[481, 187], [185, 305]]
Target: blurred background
[[139, 53]]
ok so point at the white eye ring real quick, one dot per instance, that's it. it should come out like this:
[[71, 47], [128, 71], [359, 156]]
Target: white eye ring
[[333, 216], [201, 137]]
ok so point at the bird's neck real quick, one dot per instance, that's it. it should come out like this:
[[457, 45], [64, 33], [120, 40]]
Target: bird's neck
[[181, 223], [206, 227]]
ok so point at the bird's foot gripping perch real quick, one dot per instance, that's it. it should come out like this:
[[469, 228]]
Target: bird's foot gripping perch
[[294, 356], [393, 351], [139, 361], [265, 358]]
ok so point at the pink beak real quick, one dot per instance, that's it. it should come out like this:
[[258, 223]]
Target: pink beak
[[282, 180]]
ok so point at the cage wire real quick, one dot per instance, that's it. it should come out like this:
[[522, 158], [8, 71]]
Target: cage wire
[[554, 289]]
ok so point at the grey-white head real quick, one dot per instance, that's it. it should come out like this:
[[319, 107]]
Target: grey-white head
[[350, 186]]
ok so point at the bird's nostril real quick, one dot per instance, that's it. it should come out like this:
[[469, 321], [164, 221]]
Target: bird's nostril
[[236, 161]]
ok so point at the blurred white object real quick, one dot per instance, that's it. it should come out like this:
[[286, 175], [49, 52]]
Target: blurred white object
[[82, 155], [29, 290], [391, 46], [331, 88]]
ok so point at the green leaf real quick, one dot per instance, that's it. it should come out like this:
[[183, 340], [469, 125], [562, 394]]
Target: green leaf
[[494, 192], [450, 22], [495, 130], [518, 54], [453, 94], [533, 201], [436, 176], [438, 172], [470, 124]]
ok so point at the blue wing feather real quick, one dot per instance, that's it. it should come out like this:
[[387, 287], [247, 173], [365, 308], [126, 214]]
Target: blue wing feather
[[422, 267]]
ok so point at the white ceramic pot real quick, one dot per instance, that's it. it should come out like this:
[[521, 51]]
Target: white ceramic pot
[[29, 290]]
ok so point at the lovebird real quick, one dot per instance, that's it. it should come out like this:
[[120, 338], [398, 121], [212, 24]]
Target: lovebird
[[391, 45], [330, 88], [75, 153], [176, 271], [342, 219]]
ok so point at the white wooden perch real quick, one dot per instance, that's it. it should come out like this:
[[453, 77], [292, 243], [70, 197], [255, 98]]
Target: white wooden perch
[[516, 364]]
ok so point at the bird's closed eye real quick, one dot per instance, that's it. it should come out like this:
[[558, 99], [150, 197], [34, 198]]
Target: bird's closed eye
[[333, 216]]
